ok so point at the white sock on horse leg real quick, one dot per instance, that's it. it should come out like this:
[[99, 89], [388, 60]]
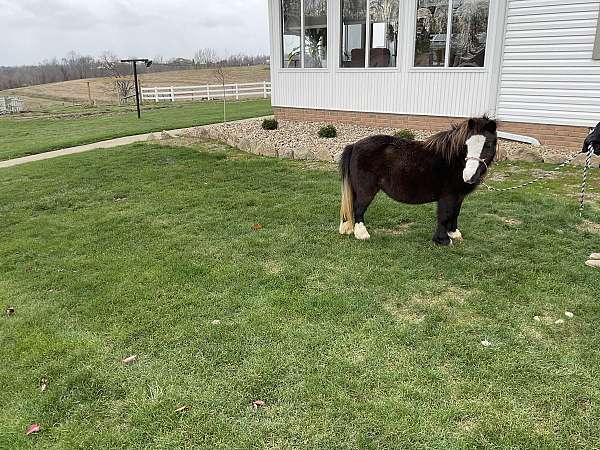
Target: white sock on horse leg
[[360, 232], [456, 235], [346, 228]]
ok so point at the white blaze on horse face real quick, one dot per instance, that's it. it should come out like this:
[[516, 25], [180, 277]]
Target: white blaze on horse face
[[475, 146]]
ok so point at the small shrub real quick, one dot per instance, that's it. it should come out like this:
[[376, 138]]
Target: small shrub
[[405, 134], [270, 124], [328, 131]]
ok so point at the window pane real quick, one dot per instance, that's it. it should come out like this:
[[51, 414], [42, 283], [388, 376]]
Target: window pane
[[354, 27], [432, 27], [315, 33], [469, 33], [384, 33], [292, 25]]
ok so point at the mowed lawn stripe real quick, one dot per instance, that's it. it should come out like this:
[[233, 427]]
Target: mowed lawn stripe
[[135, 251], [21, 137]]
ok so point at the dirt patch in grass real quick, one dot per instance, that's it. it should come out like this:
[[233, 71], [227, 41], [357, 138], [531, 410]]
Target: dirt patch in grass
[[506, 220], [403, 313], [451, 296], [394, 231], [416, 308], [589, 227]]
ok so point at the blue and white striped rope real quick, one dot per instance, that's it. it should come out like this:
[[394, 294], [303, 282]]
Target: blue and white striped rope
[[586, 171]]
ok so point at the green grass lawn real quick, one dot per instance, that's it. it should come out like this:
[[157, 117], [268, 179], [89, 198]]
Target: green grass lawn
[[136, 250], [29, 136]]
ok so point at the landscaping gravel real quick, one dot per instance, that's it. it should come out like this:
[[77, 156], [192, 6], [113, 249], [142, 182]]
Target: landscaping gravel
[[300, 140]]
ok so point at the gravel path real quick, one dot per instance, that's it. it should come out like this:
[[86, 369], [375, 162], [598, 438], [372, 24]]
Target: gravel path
[[299, 140]]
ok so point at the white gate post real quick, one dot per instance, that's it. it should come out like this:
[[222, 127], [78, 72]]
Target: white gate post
[[208, 91], [237, 91], [172, 94], [264, 89], [156, 94]]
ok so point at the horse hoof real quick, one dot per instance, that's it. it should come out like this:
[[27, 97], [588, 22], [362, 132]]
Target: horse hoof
[[346, 228], [443, 242], [455, 235], [595, 256], [360, 232], [594, 263]]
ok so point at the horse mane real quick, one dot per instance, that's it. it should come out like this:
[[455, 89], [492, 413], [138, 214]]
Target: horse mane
[[449, 144]]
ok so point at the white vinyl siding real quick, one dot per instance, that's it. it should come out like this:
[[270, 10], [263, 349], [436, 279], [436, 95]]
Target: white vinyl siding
[[597, 44], [548, 73]]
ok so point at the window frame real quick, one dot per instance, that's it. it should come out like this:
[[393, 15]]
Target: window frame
[[302, 68], [367, 42], [446, 67]]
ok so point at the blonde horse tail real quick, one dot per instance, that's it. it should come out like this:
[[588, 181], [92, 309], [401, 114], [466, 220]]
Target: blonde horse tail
[[347, 206]]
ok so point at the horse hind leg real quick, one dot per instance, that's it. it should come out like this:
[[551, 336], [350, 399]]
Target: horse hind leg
[[361, 204], [346, 227]]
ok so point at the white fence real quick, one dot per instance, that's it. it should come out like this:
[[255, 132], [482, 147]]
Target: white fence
[[206, 92], [11, 105]]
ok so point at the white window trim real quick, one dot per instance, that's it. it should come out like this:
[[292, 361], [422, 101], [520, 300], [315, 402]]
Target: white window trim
[[300, 69], [367, 43], [446, 67]]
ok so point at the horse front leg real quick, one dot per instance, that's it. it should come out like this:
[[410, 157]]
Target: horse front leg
[[447, 219], [453, 231]]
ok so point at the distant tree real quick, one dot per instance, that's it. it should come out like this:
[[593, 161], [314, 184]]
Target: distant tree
[[221, 76], [205, 57]]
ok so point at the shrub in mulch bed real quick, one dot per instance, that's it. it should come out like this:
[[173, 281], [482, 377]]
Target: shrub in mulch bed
[[328, 131], [405, 134], [270, 124]]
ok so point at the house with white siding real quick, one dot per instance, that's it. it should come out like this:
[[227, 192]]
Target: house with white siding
[[532, 64]]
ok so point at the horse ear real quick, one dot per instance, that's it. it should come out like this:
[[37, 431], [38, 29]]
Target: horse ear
[[491, 126]]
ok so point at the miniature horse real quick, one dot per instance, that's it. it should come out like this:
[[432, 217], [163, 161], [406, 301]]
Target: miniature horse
[[592, 141], [444, 169]]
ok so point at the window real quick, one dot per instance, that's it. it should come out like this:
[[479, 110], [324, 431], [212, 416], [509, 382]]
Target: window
[[379, 28], [464, 20], [304, 33]]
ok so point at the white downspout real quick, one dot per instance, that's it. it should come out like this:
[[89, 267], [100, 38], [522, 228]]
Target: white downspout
[[519, 138]]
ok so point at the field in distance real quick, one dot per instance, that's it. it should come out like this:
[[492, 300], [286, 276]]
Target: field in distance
[[66, 93]]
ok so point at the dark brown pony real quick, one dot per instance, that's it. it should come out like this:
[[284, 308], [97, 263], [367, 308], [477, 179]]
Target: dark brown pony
[[444, 169]]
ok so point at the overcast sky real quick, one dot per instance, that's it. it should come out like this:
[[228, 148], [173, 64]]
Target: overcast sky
[[35, 30]]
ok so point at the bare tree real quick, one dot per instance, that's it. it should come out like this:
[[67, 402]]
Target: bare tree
[[221, 77], [123, 86], [205, 57]]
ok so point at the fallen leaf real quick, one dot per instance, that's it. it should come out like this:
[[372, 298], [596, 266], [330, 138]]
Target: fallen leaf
[[569, 314], [130, 359], [182, 409], [537, 318], [257, 226], [34, 428], [10, 311], [44, 384], [257, 404], [559, 321], [486, 343], [216, 322]]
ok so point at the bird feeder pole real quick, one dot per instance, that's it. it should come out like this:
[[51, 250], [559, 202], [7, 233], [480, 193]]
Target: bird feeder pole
[[135, 76]]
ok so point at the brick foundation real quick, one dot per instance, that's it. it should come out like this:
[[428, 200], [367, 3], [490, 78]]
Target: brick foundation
[[555, 135]]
